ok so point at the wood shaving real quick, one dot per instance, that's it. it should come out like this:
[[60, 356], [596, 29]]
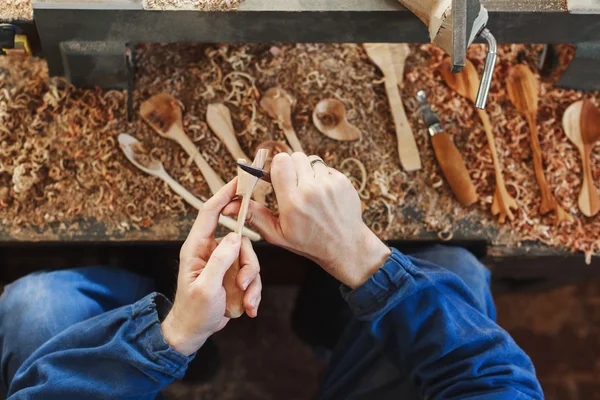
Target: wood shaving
[[16, 10], [58, 144], [201, 5]]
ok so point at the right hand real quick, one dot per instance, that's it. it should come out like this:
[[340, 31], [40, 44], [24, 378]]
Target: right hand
[[319, 218]]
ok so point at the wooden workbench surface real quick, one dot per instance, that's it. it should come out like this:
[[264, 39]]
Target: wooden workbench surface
[[77, 186]]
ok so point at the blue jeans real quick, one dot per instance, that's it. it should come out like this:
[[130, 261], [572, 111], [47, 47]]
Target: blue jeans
[[41, 305]]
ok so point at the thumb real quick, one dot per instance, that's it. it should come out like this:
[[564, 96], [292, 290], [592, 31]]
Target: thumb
[[221, 259], [265, 221]]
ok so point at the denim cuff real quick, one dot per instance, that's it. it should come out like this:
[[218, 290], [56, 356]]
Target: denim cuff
[[372, 298], [147, 315]]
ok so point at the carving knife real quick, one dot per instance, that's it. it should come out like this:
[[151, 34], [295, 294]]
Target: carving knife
[[448, 157]]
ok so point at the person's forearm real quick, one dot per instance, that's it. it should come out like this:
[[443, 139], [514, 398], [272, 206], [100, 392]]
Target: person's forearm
[[428, 324], [119, 354]]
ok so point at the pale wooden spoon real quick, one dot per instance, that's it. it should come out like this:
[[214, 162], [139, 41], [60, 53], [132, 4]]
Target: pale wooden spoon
[[218, 118], [330, 119], [163, 114], [382, 56], [581, 123], [278, 104], [466, 84], [133, 150], [522, 90]]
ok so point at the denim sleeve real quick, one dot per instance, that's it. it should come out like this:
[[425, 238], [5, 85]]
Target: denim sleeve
[[428, 324], [120, 354]]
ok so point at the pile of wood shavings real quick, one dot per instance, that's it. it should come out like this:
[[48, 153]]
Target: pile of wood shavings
[[16, 10], [65, 138], [202, 5]]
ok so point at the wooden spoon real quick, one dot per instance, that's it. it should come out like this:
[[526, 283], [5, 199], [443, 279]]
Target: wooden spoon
[[582, 126], [522, 90], [330, 119], [263, 189], [381, 55], [218, 118], [278, 104], [163, 114], [134, 152], [245, 187], [466, 84]]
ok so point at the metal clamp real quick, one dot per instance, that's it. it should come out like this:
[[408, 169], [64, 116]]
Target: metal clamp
[[488, 70]]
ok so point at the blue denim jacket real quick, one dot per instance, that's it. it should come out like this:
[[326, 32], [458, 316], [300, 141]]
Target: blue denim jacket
[[423, 318]]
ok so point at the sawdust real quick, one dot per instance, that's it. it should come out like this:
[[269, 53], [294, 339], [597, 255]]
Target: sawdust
[[16, 10], [202, 5], [66, 138]]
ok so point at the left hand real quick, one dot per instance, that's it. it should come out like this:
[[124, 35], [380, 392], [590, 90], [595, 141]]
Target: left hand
[[199, 307]]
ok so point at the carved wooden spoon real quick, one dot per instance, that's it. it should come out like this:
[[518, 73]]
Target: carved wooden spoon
[[278, 104], [382, 56], [163, 114], [582, 126], [523, 93], [218, 118], [135, 153], [330, 119], [466, 84]]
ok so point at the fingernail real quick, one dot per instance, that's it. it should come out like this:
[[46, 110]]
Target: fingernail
[[253, 302], [247, 283]]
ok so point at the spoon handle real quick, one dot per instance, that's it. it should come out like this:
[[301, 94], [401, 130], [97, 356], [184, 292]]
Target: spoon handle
[[407, 146], [213, 179], [589, 201], [195, 202], [292, 138]]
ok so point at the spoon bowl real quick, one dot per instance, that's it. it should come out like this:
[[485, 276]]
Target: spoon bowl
[[134, 151], [330, 119]]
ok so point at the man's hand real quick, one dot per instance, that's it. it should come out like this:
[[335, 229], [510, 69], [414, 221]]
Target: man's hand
[[320, 218], [199, 307]]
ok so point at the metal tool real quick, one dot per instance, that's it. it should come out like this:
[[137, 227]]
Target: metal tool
[[469, 22], [260, 173]]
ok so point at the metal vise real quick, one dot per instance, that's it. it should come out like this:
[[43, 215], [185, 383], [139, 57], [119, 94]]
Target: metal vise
[[469, 23]]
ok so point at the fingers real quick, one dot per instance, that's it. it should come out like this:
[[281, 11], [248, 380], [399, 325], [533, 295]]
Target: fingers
[[252, 297], [249, 266], [206, 222], [221, 259], [248, 279], [303, 168], [321, 170], [283, 176], [261, 218]]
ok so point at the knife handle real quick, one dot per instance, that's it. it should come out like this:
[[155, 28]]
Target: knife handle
[[454, 168]]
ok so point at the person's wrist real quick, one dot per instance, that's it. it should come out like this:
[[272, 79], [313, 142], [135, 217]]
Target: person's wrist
[[371, 254], [179, 340]]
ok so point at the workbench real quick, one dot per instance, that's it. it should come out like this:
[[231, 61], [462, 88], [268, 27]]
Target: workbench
[[70, 30]]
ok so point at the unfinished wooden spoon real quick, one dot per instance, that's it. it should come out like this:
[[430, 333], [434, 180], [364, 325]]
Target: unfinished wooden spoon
[[466, 84], [581, 123], [246, 184], [163, 114], [263, 189], [278, 104], [381, 55], [134, 151], [522, 90], [218, 118], [330, 119]]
